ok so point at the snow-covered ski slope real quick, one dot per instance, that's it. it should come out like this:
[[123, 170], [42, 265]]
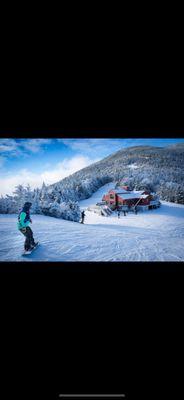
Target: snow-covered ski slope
[[154, 235], [97, 196]]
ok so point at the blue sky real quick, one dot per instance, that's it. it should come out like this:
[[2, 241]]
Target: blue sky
[[36, 160]]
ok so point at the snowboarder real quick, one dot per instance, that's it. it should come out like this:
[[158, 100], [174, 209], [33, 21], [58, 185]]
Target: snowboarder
[[82, 216], [23, 226]]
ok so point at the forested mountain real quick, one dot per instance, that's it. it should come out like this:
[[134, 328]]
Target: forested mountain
[[160, 169]]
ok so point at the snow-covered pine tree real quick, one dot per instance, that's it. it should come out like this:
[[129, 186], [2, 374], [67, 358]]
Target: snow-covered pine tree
[[55, 209], [43, 192], [70, 211], [44, 200], [28, 193], [36, 202], [19, 196], [3, 205], [11, 204]]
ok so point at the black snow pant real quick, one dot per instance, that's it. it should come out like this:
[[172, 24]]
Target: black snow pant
[[27, 232]]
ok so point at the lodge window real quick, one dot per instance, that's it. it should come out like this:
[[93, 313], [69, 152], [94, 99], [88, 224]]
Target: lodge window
[[111, 196]]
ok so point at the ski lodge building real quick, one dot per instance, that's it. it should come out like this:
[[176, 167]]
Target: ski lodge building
[[125, 199]]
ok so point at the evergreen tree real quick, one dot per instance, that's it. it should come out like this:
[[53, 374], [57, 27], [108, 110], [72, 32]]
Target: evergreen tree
[[20, 193], [28, 193], [36, 202]]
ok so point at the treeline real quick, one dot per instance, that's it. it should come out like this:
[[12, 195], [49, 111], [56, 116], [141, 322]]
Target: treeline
[[42, 203]]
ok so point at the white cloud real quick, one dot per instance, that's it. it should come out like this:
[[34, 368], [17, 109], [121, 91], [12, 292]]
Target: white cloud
[[19, 146], [8, 146], [66, 168], [95, 146], [52, 175], [34, 145], [8, 183]]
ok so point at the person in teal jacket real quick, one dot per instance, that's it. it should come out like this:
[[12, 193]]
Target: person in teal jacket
[[24, 220]]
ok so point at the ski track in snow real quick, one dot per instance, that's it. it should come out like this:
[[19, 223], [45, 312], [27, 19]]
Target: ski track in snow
[[154, 235]]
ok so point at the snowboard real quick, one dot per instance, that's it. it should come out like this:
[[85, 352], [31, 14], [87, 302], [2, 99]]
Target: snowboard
[[26, 253]]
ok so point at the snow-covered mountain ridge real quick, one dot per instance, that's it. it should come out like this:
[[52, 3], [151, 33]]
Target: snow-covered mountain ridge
[[160, 169]]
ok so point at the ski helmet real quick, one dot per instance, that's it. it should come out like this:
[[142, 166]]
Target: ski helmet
[[27, 204]]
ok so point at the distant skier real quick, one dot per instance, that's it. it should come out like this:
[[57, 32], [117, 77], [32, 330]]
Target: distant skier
[[118, 214], [82, 216], [124, 213], [23, 226], [135, 210]]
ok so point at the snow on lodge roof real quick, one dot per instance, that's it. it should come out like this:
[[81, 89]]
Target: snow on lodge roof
[[130, 195]]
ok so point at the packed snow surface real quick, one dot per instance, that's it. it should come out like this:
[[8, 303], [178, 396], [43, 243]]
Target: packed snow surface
[[154, 235]]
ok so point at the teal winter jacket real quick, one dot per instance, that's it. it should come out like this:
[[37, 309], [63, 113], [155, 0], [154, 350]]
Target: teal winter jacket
[[21, 223]]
